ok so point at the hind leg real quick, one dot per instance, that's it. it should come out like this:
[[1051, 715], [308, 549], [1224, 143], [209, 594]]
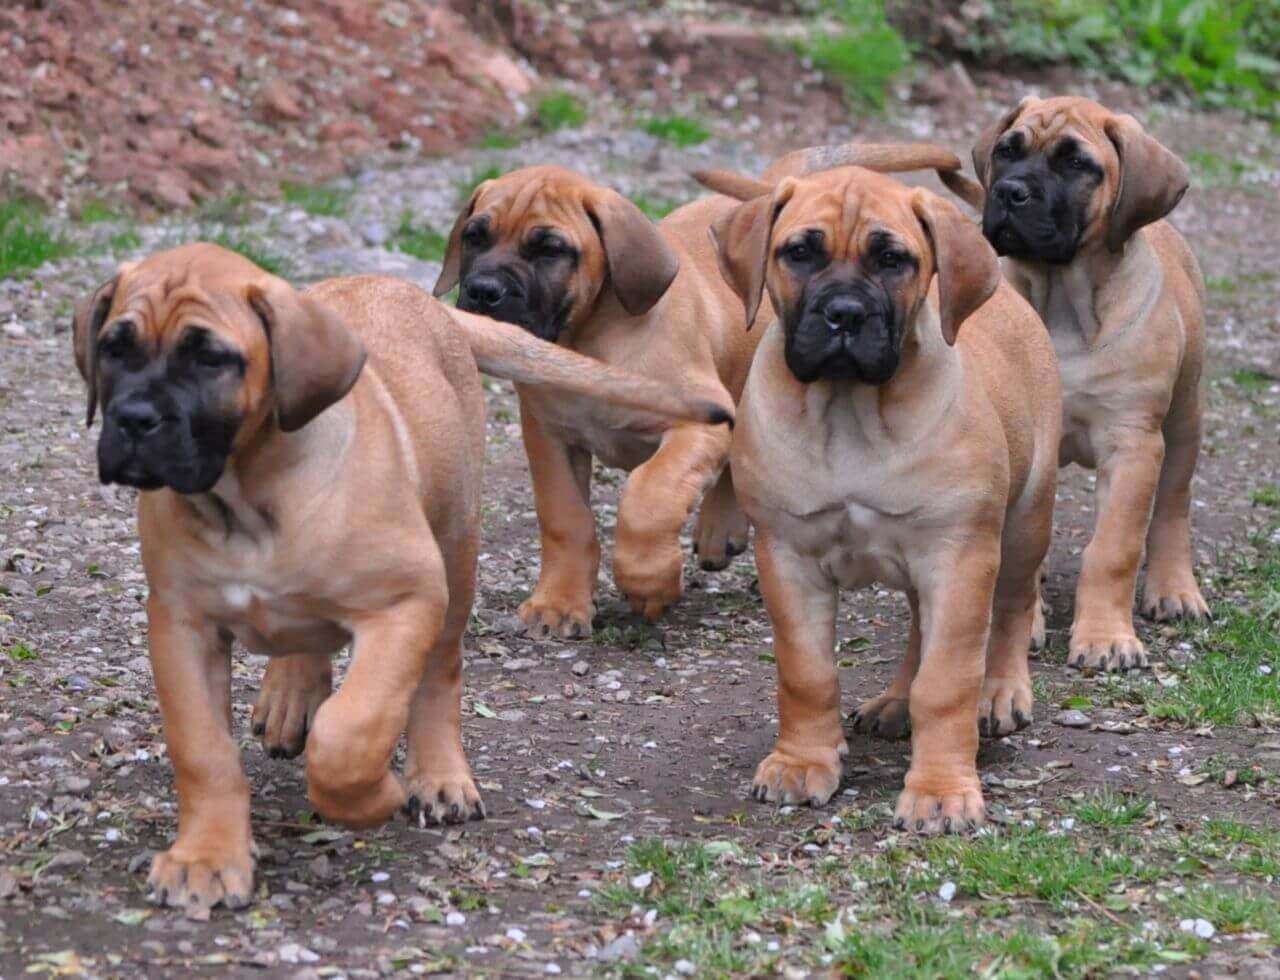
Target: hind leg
[[1171, 591], [723, 529], [889, 716], [293, 688]]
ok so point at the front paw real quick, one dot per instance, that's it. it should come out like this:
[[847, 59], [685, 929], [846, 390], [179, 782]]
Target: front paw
[[1005, 706], [442, 797], [940, 805], [650, 575], [791, 777], [1164, 601], [198, 879], [551, 612], [293, 688], [886, 717], [1103, 650]]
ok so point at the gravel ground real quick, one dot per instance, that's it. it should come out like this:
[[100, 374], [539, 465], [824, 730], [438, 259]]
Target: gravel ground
[[582, 749]]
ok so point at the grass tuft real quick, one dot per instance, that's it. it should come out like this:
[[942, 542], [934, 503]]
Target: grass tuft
[[679, 130], [25, 241], [559, 110], [317, 201], [468, 187], [864, 52], [420, 241], [255, 250]]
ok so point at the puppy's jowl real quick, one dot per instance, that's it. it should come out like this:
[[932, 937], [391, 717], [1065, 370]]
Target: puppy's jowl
[[1075, 194], [900, 425], [299, 494]]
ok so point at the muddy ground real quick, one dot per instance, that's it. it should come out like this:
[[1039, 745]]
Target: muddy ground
[[583, 749]]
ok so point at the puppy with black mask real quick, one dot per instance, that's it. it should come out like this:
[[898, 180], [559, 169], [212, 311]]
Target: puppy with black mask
[[1075, 197], [899, 426]]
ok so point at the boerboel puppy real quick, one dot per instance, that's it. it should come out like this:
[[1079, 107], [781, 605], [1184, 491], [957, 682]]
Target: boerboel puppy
[[311, 468], [1075, 198], [578, 264], [877, 441]]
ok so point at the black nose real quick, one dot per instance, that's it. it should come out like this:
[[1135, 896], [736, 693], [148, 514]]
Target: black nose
[[137, 419], [1012, 192], [844, 313], [484, 290]]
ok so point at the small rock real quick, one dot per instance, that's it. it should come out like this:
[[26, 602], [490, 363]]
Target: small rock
[[516, 934], [78, 682], [455, 919], [519, 663], [623, 948], [686, 968], [1201, 927], [948, 891], [293, 953], [8, 883], [1073, 719], [580, 668], [642, 881], [66, 859]]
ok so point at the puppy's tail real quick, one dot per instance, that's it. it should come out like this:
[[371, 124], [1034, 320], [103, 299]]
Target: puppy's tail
[[624, 400], [886, 158]]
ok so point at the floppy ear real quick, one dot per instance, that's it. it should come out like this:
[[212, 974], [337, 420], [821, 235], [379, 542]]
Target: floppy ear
[[741, 238], [641, 263], [988, 138], [315, 359], [89, 317], [1152, 180], [452, 266], [967, 267]]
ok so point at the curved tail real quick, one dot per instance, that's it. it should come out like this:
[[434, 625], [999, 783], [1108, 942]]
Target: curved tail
[[625, 400], [880, 157]]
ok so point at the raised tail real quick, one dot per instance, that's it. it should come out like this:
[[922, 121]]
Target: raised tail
[[626, 400], [884, 158]]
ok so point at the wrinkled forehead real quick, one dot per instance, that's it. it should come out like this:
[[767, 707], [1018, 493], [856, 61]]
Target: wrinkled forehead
[[851, 207], [164, 294], [1046, 124], [518, 202]]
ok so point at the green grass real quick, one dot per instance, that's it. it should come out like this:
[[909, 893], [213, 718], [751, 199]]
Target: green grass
[[1235, 679], [126, 241], [420, 241], [1267, 497], [317, 200], [1231, 910], [468, 187], [95, 212], [20, 651], [679, 130], [25, 241], [1110, 810], [559, 110], [229, 209], [1227, 52], [496, 139], [255, 250], [656, 208], [864, 51], [1251, 380]]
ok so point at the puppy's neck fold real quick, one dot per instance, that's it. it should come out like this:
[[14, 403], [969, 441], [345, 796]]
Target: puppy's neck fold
[[1093, 296]]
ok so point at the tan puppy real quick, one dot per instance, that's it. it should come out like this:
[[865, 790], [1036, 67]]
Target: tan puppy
[[1074, 202], [879, 442], [313, 464], [579, 264]]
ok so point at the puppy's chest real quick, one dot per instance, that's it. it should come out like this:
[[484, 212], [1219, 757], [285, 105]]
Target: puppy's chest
[[856, 545]]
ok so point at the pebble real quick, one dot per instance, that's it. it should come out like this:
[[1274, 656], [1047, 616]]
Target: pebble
[[553, 969], [516, 934], [1073, 719], [1201, 927], [293, 953], [948, 891], [686, 968], [625, 947], [455, 919], [580, 668]]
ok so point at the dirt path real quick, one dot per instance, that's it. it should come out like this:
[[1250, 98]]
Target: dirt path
[[590, 752]]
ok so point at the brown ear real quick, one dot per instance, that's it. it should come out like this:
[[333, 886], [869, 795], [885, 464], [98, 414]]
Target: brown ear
[[315, 359], [967, 267], [641, 263], [90, 315], [988, 138], [1152, 180], [452, 267], [741, 238]]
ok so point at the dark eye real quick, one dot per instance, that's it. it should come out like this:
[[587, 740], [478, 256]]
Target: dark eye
[[799, 252], [1079, 162], [552, 246], [213, 359], [1005, 151], [474, 236], [892, 258]]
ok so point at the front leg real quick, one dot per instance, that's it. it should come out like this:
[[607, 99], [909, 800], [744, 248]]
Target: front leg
[[562, 602], [349, 777], [941, 791], [1102, 634], [211, 861], [648, 565], [804, 766]]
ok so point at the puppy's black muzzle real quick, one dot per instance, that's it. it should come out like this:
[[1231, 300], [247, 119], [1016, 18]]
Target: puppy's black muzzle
[[149, 442], [513, 295], [1028, 215], [845, 332]]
